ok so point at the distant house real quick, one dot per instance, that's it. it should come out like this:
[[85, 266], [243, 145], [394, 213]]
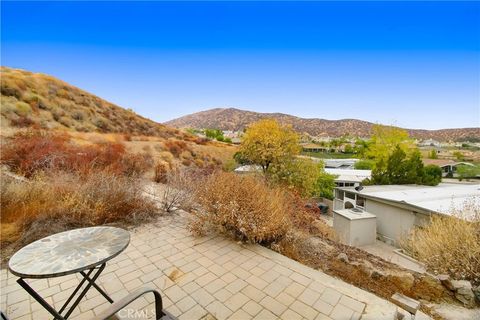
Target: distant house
[[429, 143], [340, 163], [311, 147], [449, 167], [349, 177], [248, 169], [394, 209], [236, 140]]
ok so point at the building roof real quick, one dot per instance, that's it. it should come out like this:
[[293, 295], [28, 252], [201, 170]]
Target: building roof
[[350, 175], [312, 146], [438, 162], [337, 163], [442, 199], [248, 168]]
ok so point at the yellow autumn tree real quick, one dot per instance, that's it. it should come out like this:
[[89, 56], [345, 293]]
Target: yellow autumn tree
[[385, 140], [267, 142]]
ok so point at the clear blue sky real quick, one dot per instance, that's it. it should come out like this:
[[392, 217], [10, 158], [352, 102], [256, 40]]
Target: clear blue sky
[[414, 64]]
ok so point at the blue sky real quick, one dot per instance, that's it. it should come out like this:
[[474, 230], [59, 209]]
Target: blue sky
[[414, 64]]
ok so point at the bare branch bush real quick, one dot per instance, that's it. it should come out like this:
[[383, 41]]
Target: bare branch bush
[[180, 189]]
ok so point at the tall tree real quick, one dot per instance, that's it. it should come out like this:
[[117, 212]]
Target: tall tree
[[384, 141], [402, 169], [267, 141]]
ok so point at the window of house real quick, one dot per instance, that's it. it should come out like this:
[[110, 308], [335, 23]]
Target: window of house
[[360, 202], [339, 194], [350, 195]]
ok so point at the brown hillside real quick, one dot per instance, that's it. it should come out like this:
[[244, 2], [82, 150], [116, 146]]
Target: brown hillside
[[235, 119], [42, 101]]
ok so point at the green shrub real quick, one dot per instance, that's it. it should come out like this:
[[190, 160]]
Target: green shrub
[[432, 176], [364, 164], [22, 108]]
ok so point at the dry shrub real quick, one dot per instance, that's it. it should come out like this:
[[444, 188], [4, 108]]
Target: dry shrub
[[22, 122], [176, 147], [186, 162], [201, 141], [305, 216], [32, 151], [179, 190], [160, 171], [242, 206], [51, 203], [450, 244]]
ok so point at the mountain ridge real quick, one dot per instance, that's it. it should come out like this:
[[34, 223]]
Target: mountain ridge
[[237, 119]]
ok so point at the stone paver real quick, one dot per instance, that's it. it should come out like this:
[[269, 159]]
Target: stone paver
[[203, 278]]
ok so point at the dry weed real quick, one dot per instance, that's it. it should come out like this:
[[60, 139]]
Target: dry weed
[[242, 206], [61, 201], [450, 244]]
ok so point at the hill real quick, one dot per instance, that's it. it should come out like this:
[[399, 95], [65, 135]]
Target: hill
[[235, 119], [39, 100]]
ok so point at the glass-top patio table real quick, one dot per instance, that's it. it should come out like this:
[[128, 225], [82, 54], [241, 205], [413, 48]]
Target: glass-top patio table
[[84, 251]]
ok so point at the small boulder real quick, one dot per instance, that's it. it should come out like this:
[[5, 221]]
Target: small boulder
[[403, 280], [377, 274], [445, 280], [464, 292], [343, 257], [476, 292]]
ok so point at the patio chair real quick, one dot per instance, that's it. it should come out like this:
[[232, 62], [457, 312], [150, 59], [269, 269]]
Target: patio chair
[[125, 301]]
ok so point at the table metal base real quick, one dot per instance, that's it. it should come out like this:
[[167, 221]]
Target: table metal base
[[87, 277]]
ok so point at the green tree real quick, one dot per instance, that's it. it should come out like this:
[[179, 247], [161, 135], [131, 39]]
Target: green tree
[[325, 185], [214, 134], [385, 140], [361, 148], [348, 148], [433, 154], [459, 156], [267, 142], [300, 174], [466, 171], [399, 168], [364, 164], [432, 176], [303, 175]]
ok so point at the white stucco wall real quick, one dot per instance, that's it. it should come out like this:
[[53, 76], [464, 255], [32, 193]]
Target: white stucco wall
[[393, 222]]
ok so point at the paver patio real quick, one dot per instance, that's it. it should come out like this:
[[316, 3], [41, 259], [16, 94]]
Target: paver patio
[[204, 276]]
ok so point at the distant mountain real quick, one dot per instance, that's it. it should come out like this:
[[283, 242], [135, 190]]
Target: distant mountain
[[42, 101], [235, 119]]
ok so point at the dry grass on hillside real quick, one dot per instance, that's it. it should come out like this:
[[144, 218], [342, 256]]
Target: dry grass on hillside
[[41, 101]]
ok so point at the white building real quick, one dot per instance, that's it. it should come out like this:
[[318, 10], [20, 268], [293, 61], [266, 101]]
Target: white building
[[349, 177], [398, 208]]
